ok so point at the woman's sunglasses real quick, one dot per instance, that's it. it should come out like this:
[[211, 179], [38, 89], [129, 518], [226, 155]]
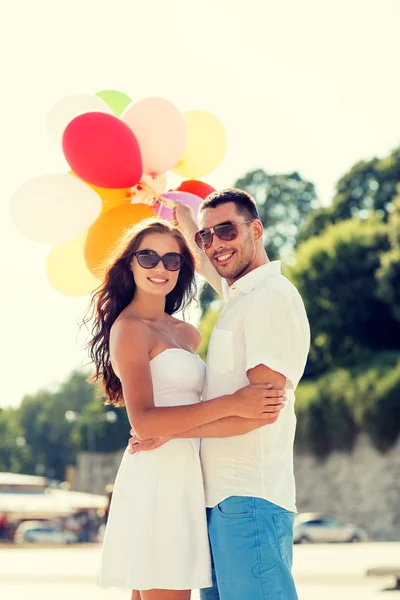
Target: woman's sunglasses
[[227, 231], [148, 259]]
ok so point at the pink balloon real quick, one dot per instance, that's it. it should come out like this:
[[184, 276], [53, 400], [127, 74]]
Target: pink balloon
[[183, 197], [102, 151], [161, 131]]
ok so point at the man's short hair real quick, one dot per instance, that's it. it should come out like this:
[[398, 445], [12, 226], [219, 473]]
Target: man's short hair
[[245, 204]]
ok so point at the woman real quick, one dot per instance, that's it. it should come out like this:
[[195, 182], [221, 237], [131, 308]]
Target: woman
[[156, 538]]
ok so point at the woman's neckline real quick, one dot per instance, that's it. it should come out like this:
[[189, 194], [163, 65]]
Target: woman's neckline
[[169, 349]]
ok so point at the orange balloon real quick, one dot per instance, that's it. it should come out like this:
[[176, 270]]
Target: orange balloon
[[109, 204], [104, 234]]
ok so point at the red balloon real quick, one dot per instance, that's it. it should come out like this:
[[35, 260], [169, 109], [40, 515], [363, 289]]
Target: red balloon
[[198, 188], [102, 150]]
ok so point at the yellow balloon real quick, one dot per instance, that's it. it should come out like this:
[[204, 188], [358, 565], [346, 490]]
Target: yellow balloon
[[206, 145], [67, 271]]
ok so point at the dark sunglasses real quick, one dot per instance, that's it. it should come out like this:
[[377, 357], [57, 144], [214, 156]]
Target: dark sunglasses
[[148, 259], [227, 231]]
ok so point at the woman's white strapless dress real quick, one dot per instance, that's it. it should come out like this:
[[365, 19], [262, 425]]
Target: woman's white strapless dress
[[156, 534]]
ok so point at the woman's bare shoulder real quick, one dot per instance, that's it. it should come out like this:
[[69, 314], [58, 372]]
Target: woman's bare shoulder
[[127, 326]]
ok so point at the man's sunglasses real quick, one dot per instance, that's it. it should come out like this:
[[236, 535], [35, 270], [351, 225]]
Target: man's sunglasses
[[227, 231], [148, 259]]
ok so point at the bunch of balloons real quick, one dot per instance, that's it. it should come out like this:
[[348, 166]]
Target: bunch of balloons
[[119, 153]]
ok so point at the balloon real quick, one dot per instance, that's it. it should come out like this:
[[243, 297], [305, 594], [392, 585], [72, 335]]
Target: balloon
[[116, 100], [206, 145], [102, 151], [104, 234], [66, 269], [54, 208], [148, 189], [199, 188], [111, 197], [109, 204], [67, 109], [183, 197], [160, 129]]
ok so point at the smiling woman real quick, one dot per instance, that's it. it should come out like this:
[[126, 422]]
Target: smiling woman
[[134, 270]]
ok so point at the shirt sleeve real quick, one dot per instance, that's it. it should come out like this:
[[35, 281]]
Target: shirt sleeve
[[270, 330]]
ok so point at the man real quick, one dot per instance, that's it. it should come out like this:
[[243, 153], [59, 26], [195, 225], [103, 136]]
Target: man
[[262, 336]]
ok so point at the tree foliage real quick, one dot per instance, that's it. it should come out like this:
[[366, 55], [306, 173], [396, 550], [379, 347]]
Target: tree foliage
[[12, 456], [368, 189], [334, 408], [206, 327], [336, 274], [51, 441]]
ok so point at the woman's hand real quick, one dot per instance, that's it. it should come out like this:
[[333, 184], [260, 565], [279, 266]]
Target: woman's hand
[[138, 445], [257, 401]]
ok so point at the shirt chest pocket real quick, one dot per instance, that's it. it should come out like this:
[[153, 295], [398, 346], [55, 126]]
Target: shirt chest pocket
[[220, 351]]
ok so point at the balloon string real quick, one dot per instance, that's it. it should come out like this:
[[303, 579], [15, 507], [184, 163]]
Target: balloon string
[[161, 199]]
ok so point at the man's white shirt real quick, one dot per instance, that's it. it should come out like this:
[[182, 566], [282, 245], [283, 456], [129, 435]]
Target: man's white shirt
[[263, 322]]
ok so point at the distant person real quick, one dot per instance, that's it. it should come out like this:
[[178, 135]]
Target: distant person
[[156, 541], [84, 528], [261, 337], [3, 527]]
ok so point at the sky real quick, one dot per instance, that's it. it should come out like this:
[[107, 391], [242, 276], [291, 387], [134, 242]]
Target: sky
[[299, 85]]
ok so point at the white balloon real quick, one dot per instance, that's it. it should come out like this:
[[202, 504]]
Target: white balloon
[[160, 128], [54, 208], [67, 109]]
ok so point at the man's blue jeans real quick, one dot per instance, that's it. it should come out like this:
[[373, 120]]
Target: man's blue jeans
[[252, 547]]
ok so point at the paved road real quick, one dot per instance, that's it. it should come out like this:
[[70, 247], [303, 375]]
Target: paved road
[[327, 572]]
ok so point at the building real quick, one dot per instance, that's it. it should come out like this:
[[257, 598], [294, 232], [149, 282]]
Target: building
[[25, 497]]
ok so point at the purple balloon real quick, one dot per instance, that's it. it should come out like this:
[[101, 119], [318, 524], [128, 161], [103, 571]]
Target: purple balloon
[[185, 198]]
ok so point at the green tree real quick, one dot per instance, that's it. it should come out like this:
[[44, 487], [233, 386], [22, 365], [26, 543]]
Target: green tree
[[333, 408], [388, 276], [14, 455], [48, 433], [208, 297], [94, 432], [206, 327], [336, 274], [315, 223], [368, 189], [389, 272]]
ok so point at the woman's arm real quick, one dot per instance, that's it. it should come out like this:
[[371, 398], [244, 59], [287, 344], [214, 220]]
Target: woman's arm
[[130, 348], [184, 218], [227, 427]]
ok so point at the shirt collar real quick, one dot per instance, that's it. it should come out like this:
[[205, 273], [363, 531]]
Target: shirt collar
[[248, 282]]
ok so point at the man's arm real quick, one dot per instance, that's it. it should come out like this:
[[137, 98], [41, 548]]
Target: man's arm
[[185, 220]]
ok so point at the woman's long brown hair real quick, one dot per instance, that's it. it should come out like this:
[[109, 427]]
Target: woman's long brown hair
[[117, 291]]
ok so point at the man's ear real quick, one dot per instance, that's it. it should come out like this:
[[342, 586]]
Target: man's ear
[[258, 230]]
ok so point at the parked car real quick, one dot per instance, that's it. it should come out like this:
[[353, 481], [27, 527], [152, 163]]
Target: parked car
[[43, 532], [314, 527]]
